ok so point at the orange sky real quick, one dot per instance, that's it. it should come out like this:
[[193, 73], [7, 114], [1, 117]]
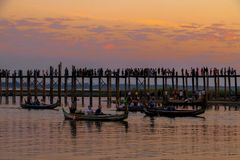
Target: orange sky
[[120, 33]]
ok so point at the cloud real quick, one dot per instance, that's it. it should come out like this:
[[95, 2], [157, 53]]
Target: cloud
[[4, 22], [136, 36], [220, 32], [109, 46], [152, 30], [78, 41], [214, 32], [58, 19], [81, 26], [99, 29], [28, 23], [190, 26], [57, 25]]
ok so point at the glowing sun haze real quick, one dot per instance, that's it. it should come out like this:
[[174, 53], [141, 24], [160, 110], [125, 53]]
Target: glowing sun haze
[[119, 33]]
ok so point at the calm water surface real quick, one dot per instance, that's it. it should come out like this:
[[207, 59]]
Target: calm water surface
[[44, 134]]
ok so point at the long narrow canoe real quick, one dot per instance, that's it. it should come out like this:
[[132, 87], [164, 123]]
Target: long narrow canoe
[[93, 117], [131, 108], [41, 106], [173, 113], [184, 103]]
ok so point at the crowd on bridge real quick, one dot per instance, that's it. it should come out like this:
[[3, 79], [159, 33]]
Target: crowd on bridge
[[128, 72]]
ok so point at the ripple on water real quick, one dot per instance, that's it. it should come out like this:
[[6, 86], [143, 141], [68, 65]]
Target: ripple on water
[[31, 134]]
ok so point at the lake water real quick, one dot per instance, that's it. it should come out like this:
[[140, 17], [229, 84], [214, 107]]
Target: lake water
[[44, 134]]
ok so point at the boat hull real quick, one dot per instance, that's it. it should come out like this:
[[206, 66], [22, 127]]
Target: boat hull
[[103, 117], [47, 106], [184, 103], [175, 113], [131, 108]]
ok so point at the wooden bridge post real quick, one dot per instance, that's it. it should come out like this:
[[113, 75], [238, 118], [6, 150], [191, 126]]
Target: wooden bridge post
[[109, 87], [90, 90], [186, 86], [125, 86], [166, 82], [66, 74], [7, 84], [215, 86], [35, 85], [74, 87], [99, 90], [21, 84], [193, 84], [137, 82], [28, 83], [59, 81], [207, 86], [155, 87], [0, 84], [51, 84], [204, 81], [144, 84], [236, 86], [44, 87], [129, 83], [197, 78], [176, 81], [172, 77], [14, 83], [117, 90], [225, 84], [229, 85], [83, 90], [163, 83], [73, 84], [183, 79], [218, 85], [148, 83]]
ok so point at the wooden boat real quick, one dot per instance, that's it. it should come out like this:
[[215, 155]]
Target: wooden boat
[[131, 108], [201, 101], [40, 106], [93, 117], [172, 112], [184, 102]]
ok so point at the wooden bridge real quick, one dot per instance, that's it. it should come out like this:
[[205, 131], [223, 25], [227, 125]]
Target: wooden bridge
[[220, 84]]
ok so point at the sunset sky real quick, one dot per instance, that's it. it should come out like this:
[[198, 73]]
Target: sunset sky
[[119, 33]]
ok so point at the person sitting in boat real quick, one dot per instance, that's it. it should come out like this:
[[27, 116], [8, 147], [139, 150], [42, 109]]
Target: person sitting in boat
[[37, 102], [99, 110], [125, 101], [73, 107], [151, 103], [131, 104], [42, 101], [29, 100], [170, 108], [89, 110], [135, 102]]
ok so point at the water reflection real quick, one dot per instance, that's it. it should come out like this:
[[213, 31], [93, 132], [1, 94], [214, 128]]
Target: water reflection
[[13, 100], [84, 101], [73, 128], [42, 134], [92, 126], [7, 100], [230, 107]]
